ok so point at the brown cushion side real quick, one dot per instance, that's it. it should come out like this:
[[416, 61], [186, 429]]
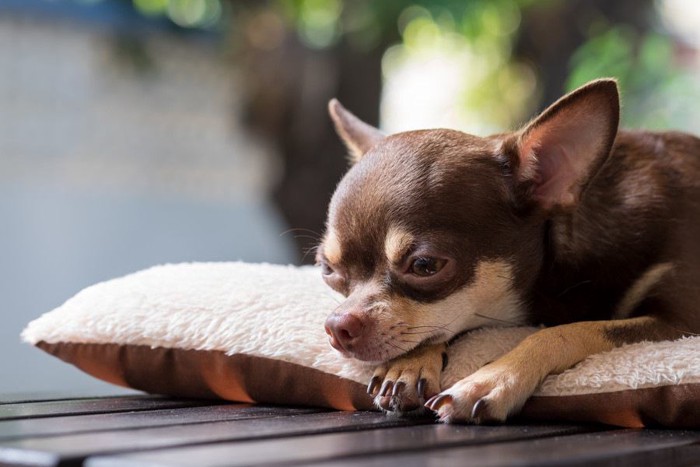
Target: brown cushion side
[[245, 378], [212, 374], [671, 406]]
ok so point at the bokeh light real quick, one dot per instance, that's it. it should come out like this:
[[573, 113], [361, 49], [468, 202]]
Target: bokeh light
[[184, 13]]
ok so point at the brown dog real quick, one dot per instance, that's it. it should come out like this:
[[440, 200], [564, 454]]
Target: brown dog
[[569, 223]]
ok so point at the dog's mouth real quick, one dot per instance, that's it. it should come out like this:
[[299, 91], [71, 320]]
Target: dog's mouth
[[379, 349], [381, 330], [373, 350]]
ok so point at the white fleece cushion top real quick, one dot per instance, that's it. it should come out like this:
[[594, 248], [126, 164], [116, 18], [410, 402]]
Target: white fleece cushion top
[[277, 312]]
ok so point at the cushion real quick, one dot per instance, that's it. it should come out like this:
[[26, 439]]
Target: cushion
[[254, 333]]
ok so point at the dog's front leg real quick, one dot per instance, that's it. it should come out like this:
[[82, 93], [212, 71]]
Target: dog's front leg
[[500, 388], [403, 384]]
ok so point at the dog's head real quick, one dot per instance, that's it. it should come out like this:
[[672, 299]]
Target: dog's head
[[434, 232]]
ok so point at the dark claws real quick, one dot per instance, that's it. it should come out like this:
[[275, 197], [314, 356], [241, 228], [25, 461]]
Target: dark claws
[[420, 388], [434, 403], [373, 383], [386, 387], [480, 408], [398, 388]]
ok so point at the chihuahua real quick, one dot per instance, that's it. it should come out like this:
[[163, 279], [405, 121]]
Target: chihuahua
[[567, 223]]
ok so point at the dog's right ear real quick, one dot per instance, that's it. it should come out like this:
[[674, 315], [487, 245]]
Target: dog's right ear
[[562, 149], [357, 135]]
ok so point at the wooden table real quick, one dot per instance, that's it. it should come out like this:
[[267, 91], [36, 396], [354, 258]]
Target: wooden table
[[141, 430]]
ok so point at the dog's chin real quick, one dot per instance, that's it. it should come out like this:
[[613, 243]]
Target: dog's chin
[[377, 355], [382, 353], [374, 353]]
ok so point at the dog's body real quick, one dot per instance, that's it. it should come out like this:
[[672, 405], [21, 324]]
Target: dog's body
[[567, 223]]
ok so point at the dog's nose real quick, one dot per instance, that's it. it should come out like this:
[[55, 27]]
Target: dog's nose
[[344, 330]]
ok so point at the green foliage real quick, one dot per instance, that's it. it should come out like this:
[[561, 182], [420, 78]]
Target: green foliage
[[184, 13], [481, 33], [644, 67], [321, 23]]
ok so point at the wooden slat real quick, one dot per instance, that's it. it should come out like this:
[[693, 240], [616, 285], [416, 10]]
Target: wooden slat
[[43, 396], [40, 427], [634, 448], [93, 406], [72, 448], [136, 431], [306, 449]]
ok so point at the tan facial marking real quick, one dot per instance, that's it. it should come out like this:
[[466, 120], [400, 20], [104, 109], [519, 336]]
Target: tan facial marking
[[331, 248], [396, 243], [489, 300], [640, 289]]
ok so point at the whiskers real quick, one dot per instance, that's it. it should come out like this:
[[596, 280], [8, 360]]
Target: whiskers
[[308, 251], [310, 235], [420, 334], [334, 298], [432, 328], [499, 320], [398, 347], [426, 329]]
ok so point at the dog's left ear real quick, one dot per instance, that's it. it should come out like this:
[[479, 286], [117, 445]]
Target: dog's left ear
[[563, 148], [357, 135]]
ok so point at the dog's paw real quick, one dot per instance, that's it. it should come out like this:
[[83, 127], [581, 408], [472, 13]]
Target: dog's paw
[[404, 383], [491, 394]]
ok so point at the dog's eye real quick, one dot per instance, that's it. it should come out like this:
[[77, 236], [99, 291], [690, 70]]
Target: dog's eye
[[326, 270], [425, 266], [335, 279]]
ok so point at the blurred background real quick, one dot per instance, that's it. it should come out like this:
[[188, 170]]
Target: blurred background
[[134, 133]]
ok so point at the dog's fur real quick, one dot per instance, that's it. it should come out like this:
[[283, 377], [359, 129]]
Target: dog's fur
[[568, 222]]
